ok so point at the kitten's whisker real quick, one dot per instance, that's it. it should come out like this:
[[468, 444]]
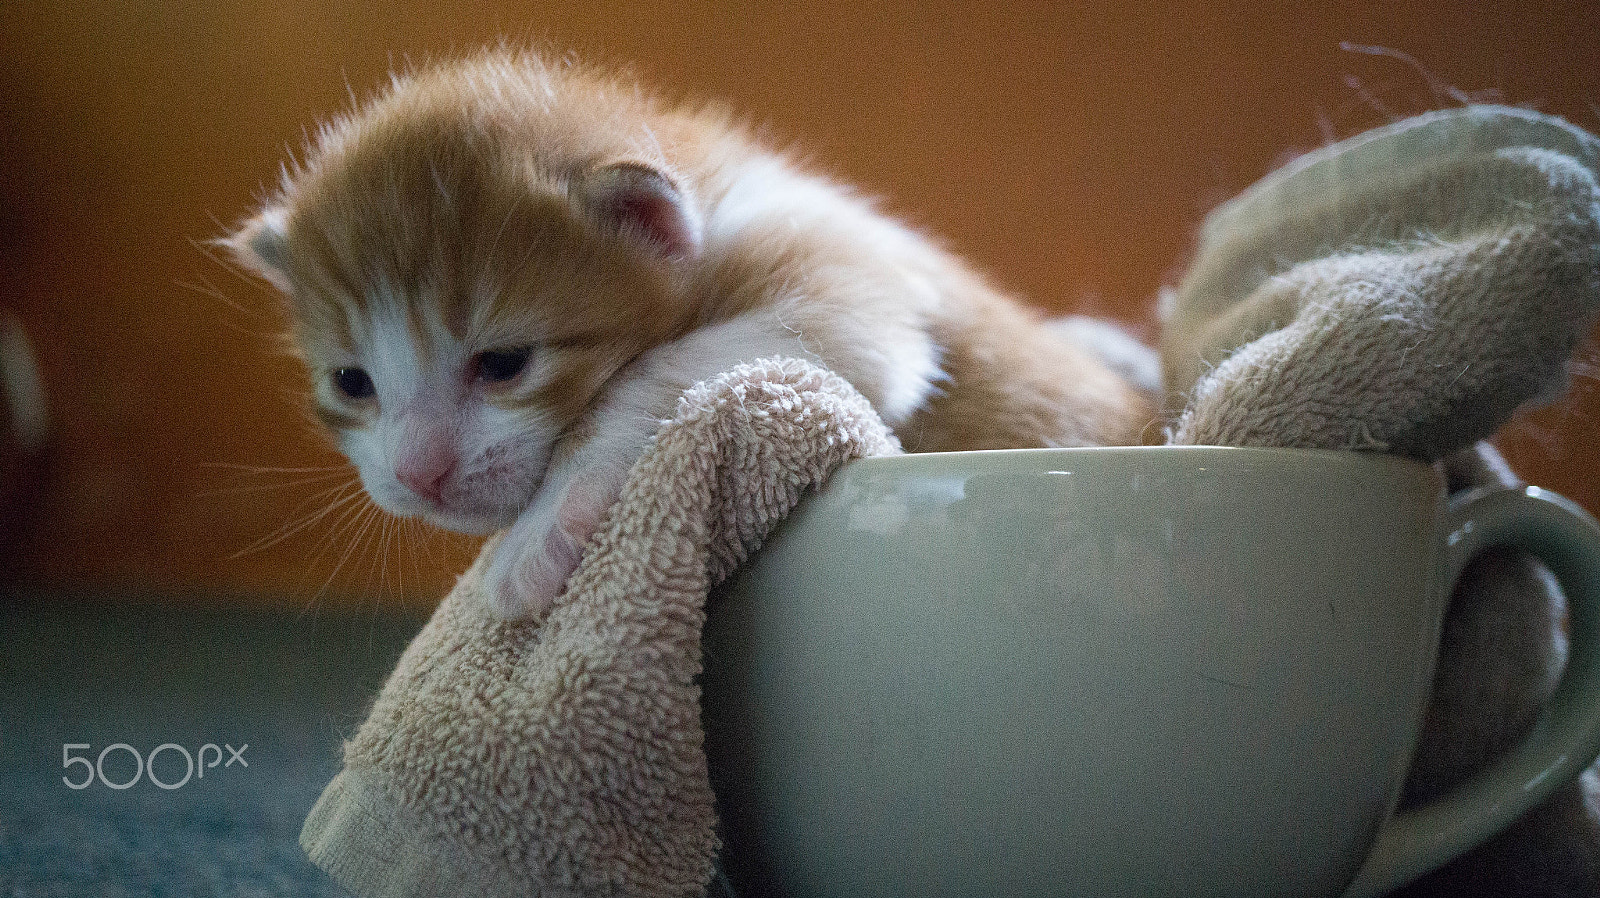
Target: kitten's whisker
[[262, 469], [324, 501], [370, 513], [321, 495], [264, 487], [208, 248], [287, 531], [417, 538], [339, 530], [391, 529], [386, 544], [213, 293], [208, 289], [290, 529], [337, 534], [380, 568], [332, 538], [422, 538]]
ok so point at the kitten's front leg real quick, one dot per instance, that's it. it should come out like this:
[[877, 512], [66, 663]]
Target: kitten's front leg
[[534, 559], [539, 552]]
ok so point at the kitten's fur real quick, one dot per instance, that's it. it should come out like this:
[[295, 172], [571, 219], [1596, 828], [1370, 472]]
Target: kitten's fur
[[481, 209]]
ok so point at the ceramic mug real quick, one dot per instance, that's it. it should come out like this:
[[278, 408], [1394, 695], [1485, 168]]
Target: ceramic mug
[[1131, 671]]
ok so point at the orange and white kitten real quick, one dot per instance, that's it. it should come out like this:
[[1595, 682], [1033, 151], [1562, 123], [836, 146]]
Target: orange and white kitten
[[502, 272]]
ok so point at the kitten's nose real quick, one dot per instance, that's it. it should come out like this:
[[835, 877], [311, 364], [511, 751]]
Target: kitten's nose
[[423, 472]]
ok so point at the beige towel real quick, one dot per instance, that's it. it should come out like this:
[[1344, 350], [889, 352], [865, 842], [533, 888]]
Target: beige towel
[[1402, 291], [564, 757]]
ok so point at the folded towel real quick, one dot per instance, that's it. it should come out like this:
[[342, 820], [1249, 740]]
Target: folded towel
[[564, 756], [1402, 291]]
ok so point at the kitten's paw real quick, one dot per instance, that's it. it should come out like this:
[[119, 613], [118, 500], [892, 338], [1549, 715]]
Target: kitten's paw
[[535, 558], [526, 584]]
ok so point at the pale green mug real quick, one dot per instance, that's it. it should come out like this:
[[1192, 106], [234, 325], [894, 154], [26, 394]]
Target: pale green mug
[[1134, 671]]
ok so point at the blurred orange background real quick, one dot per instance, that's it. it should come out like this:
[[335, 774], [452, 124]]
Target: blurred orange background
[[1069, 150]]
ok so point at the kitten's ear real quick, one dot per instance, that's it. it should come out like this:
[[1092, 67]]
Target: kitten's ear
[[641, 203], [261, 246]]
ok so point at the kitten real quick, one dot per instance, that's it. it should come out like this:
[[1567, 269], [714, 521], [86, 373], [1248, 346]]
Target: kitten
[[501, 274]]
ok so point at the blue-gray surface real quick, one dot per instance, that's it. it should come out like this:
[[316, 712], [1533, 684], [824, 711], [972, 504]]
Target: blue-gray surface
[[79, 675]]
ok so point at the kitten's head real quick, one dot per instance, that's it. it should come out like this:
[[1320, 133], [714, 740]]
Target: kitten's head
[[466, 261]]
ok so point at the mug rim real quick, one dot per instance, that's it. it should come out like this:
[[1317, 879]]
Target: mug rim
[[1190, 455]]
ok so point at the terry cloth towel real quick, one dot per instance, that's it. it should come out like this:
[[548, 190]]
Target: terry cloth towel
[[1403, 291], [564, 757]]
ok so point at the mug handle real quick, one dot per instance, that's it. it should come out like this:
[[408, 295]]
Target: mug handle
[[1563, 741]]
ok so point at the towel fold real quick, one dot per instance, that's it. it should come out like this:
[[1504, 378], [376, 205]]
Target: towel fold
[[1403, 291]]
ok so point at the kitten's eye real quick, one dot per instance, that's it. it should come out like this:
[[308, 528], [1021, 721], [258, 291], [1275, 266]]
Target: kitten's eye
[[354, 383], [501, 365]]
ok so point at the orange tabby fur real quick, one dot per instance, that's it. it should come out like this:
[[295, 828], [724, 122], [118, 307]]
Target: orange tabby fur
[[463, 203]]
